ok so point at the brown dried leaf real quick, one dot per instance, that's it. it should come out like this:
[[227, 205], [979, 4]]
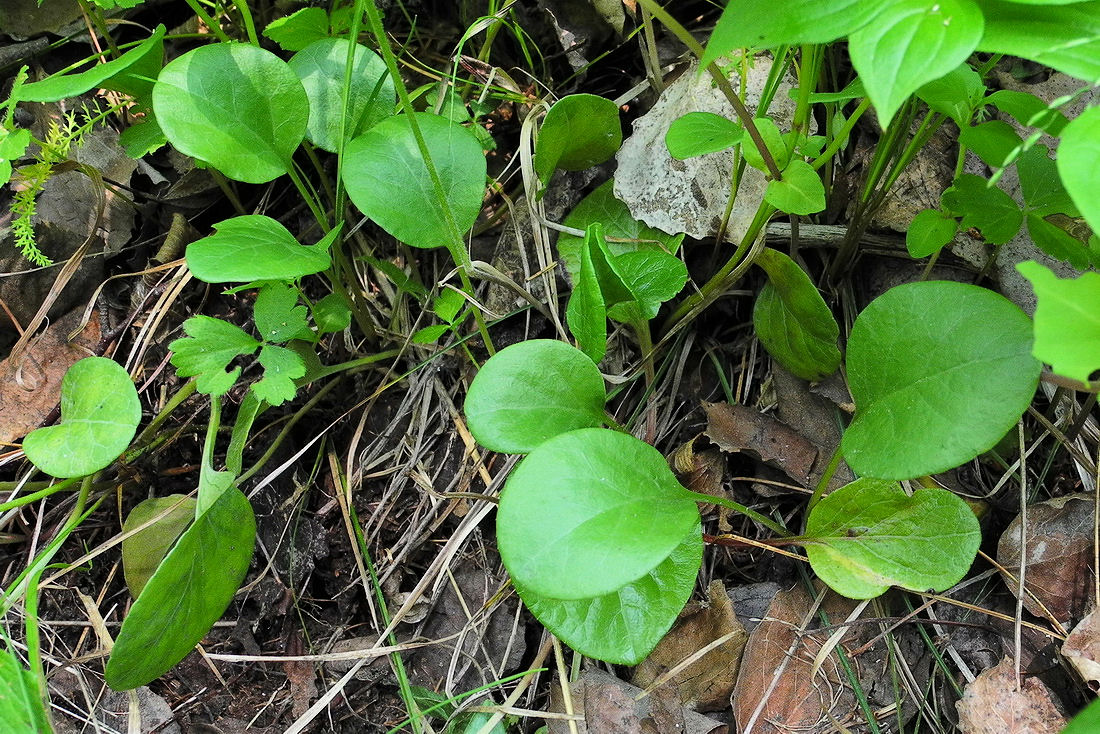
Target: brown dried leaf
[[1082, 649], [1058, 539], [30, 385], [778, 690], [612, 706], [707, 683], [735, 428], [992, 704]]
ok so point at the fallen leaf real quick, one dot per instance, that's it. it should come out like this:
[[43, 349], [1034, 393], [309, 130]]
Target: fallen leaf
[[993, 704], [1082, 649], [738, 428], [707, 683], [1058, 541], [30, 385]]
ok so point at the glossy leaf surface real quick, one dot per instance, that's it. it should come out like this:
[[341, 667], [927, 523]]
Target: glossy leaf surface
[[188, 593], [532, 391], [625, 625], [1066, 37], [870, 535], [100, 412], [939, 372], [580, 131], [618, 512], [386, 177], [237, 107]]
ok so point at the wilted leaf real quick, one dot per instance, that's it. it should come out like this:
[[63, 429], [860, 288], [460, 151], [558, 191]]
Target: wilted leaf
[[994, 704]]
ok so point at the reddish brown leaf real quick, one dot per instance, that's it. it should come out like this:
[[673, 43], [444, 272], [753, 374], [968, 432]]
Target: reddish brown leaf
[[735, 428], [993, 704]]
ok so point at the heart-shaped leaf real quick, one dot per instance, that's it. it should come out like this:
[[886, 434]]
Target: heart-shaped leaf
[[909, 43], [1067, 320], [618, 512], [792, 320], [100, 412], [869, 535], [143, 551], [580, 131], [624, 626], [386, 177], [255, 247], [371, 97], [237, 107], [532, 391], [939, 372], [186, 595]]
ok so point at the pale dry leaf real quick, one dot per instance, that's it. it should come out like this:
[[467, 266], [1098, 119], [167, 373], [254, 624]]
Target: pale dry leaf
[[993, 704], [1082, 649]]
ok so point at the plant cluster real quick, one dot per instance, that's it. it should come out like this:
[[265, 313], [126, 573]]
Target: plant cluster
[[601, 541]]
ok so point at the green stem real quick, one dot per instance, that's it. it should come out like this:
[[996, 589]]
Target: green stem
[[35, 496], [146, 436], [738, 507], [249, 24], [842, 136], [826, 477], [209, 22]]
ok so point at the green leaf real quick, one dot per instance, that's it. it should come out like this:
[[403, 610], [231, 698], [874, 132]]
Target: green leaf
[[1067, 320], [995, 142], [1028, 110], [21, 708], [13, 143], [331, 314], [772, 23], [282, 367], [1041, 185], [1058, 243], [143, 551], [430, 334], [773, 139], [1079, 160], [586, 313], [1066, 38], [278, 317], [237, 107], [141, 139], [699, 133], [100, 412], [371, 96], [984, 207], [188, 593], [210, 345], [870, 535], [448, 304], [625, 625], [652, 276], [1085, 722], [255, 247], [929, 231], [614, 216], [299, 29], [62, 86], [580, 131], [939, 373], [910, 43], [956, 94], [588, 512], [386, 177], [792, 321], [800, 191], [532, 391]]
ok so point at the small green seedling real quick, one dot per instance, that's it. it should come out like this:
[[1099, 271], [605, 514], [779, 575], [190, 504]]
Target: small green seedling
[[579, 131]]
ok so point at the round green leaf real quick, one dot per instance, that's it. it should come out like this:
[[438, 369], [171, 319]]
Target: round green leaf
[[187, 595], [800, 191], [255, 247], [143, 551], [699, 133], [909, 43], [532, 391], [100, 412], [580, 131], [869, 535], [624, 626], [929, 231], [1067, 320], [235, 106], [939, 373], [1078, 162], [386, 177], [588, 512], [792, 320], [371, 97]]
